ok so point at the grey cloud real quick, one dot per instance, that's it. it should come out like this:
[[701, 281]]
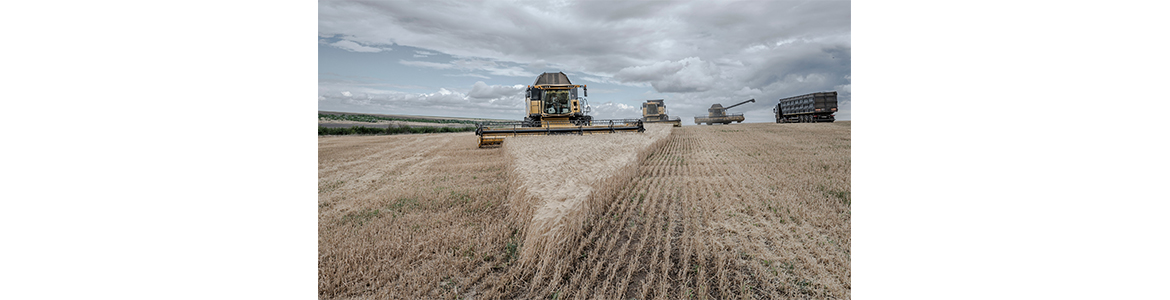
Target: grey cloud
[[426, 64], [491, 67], [468, 75], [610, 110], [697, 52], [592, 36], [652, 72], [690, 74], [480, 90], [490, 100], [355, 47]]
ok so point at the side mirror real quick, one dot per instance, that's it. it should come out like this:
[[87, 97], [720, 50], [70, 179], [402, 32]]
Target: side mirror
[[586, 87]]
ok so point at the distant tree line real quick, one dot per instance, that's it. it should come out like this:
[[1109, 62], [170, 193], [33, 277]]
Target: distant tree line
[[321, 130], [375, 119]]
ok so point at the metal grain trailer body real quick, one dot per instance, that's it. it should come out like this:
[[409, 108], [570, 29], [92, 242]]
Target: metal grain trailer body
[[807, 108]]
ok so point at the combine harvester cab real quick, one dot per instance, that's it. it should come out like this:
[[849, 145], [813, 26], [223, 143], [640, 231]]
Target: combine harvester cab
[[718, 114], [553, 108], [807, 108], [654, 111]]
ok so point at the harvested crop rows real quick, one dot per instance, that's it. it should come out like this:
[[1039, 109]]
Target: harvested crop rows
[[409, 216], [742, 211]]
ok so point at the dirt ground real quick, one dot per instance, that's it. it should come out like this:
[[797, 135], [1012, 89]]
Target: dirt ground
[[707, 212]]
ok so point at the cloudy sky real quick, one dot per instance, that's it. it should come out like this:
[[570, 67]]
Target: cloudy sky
[[472, 59]]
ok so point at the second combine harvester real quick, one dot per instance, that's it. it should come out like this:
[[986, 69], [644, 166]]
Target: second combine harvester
[[654, 111], [553, 108]]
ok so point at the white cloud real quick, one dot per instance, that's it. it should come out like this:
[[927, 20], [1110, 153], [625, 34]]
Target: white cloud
[[355, 47], [499, 101], [426, 64], [611, 110], [481, 90], [690, 74], [469, 75], [491, 67]]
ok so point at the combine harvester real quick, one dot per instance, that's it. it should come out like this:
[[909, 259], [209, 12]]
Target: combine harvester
[[718, 114], [654, 111], [807, 108], [553, 108]]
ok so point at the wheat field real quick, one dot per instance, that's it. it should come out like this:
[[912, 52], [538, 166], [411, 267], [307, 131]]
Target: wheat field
[[746, 211]]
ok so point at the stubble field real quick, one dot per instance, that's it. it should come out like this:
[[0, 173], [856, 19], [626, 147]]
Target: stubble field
[[748, 211]]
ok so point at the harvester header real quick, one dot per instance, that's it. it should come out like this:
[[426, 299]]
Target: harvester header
[[553, 107]]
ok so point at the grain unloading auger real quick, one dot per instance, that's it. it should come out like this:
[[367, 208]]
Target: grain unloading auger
[[553, 108]]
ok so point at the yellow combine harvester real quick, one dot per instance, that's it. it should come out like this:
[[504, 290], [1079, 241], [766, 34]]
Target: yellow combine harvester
[[553, 108], [654, 111]]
